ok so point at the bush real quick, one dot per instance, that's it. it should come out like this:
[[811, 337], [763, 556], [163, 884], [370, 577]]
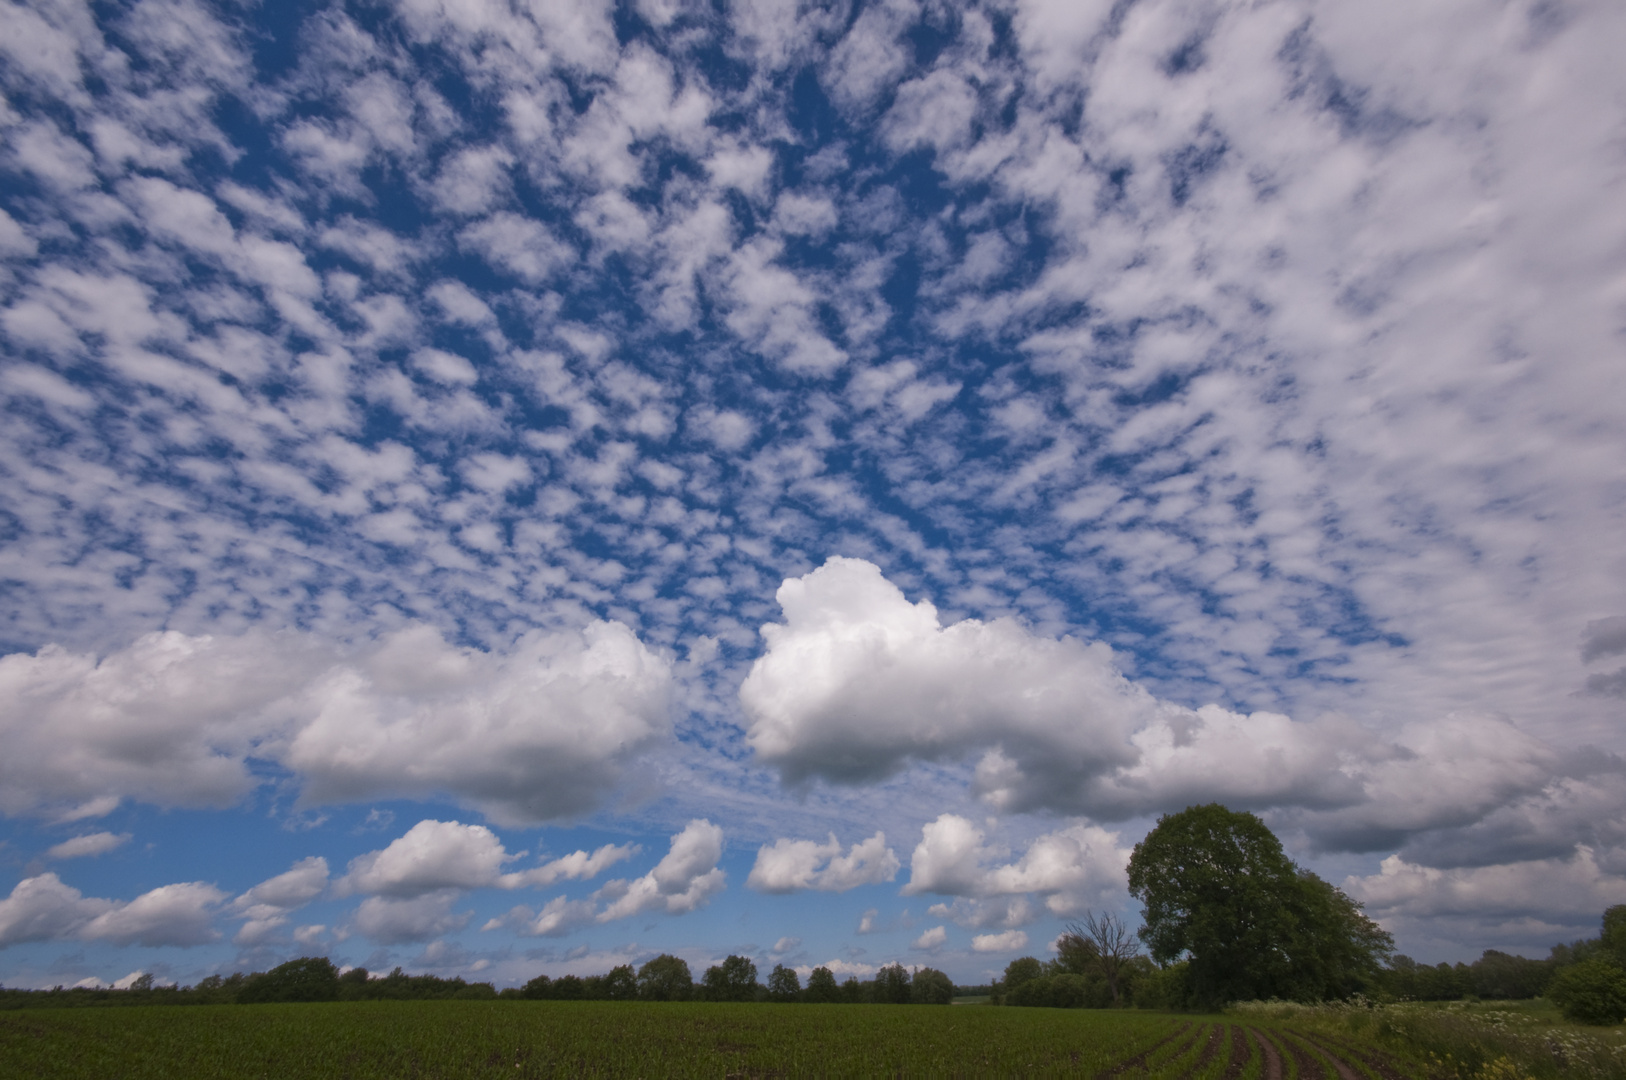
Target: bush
[[310, 978], [1591, 992]]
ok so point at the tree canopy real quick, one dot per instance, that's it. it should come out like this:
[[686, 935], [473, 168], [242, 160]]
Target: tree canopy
[[1219, 892]]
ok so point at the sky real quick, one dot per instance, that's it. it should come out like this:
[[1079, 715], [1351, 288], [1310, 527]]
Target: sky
[[504, 487]]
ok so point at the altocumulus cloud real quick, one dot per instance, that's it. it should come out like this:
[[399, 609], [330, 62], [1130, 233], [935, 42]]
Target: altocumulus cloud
[[1235, 380]]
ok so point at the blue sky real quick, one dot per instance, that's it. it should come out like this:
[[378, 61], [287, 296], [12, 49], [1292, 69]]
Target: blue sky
[[503, 488]]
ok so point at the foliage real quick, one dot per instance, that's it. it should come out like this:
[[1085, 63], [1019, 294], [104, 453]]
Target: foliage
[[621, 984], [931, 987], [1017, 972], [891, 986], [665, 978], [1613, 938], [735, 979], [1218, 890], [821, 987], [1591, 992], [1102, 943], [784, 984], [310, 978]]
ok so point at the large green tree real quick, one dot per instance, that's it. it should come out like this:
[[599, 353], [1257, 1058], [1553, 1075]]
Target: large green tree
[[1218, 891]]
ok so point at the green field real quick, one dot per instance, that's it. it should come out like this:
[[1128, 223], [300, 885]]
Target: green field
[[546, 1039]]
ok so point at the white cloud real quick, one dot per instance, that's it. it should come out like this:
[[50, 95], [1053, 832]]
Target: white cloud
[[791, 865], [99, 843], [435, 855], [1009, 941], [723, 428], [1575, 886], [446, 368], [557, 918], [523, 735], [522, 246], [390, 921], [932, 939], [685, 879], [42, 908], [1068, 867], [180, 915], [857, 682], [786, 944], [292, 888]]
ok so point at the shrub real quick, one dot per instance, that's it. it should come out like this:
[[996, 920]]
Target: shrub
[[1591, 992], [310, 978]]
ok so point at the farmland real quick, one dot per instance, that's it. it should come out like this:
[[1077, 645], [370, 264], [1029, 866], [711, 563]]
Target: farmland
[[544, 1039]]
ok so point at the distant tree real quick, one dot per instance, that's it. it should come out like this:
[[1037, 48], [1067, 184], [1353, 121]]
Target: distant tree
[[892, 985], [1613, 938], [570, 988], [852, 991], [821, 986], [784, 984], [539, 988], [735, 979], [310, 978], [1022, 969], [1218, 889], [931, 987], [665, 978], [1502, 976], [1591, 992], [621, 984], [1101, 943]]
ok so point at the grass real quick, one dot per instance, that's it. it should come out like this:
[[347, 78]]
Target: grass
[[523, 1039], [1490, 1040]]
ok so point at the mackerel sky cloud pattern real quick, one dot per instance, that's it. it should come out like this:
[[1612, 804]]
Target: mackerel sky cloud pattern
[[479, 444]]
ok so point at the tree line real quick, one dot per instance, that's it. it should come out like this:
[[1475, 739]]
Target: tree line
[[664, 978]]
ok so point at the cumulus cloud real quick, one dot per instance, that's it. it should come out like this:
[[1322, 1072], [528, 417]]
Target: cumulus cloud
[[932, 939], [539, 730], [266, 906], [435, 855], [791, 865], [391, 921], [1575, 886], [685, 879], [43, 908], [1009, 941], [99, 843], [857, 682], [1068, 867]]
